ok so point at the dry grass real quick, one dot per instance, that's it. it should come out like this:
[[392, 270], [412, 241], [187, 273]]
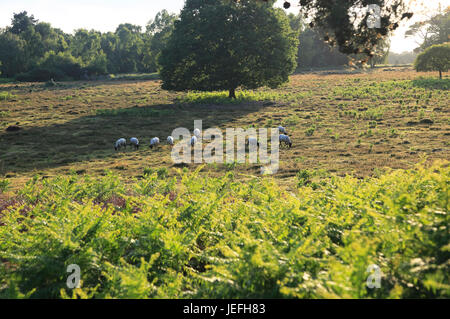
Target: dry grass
[[346, 124]]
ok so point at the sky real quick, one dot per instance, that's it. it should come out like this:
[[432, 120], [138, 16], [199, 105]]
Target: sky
[[106, 15]]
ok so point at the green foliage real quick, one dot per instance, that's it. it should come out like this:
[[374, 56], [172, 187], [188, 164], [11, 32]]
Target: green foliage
[[208, 51], [435, 58], [206, 237], [12, 54], [432, 83], [6, 96], [158, 30], [221, 97], [4, 185], [310, 130]]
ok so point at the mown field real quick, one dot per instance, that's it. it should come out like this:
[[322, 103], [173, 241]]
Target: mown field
[[344, 124], [350, 193]]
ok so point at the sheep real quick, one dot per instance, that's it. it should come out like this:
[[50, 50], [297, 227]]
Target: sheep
[[282, 130], [121, 142], [286, 140], [135, 142], [170, 140], [154, 142], [253, 141], [197, 133], [193, 140]]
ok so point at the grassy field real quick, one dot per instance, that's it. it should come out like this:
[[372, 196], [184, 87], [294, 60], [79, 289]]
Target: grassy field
[[349, 193], [343, 124]]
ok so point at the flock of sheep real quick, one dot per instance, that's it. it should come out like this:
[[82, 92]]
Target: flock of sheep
[[134, 142]]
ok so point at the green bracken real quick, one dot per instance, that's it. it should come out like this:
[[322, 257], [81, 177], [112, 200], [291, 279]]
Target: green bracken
[[193, 236]]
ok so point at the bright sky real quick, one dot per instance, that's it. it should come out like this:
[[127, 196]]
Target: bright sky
[[106, 15]]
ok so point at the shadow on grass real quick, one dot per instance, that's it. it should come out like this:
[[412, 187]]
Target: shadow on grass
[[92, 137], [432, 83]]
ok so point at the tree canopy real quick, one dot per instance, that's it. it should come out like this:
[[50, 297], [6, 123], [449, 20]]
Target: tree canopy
[[435, 58], [344, 23], [223, 45]]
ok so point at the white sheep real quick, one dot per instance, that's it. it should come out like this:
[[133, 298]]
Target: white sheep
[[121, 142], [193, 140], [286, 140], [282, 130], [197, 133], [170, 140], [135, 142], [154, 142]]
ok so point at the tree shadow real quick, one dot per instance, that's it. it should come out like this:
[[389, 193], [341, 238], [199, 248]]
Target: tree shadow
[[68, 85], [92, 137]]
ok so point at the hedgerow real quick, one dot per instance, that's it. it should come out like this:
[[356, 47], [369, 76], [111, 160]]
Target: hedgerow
[[194, 236]]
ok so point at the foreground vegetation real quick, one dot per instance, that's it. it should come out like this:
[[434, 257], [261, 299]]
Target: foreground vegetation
[[193, 236]]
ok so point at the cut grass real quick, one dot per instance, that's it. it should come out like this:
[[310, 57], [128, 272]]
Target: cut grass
[[59, 133]]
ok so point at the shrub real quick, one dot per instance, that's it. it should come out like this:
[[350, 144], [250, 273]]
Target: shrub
[[4, 185], [39, 74], [63, 62], [435, 58]]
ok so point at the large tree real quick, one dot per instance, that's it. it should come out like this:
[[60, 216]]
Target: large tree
[[223, 45]]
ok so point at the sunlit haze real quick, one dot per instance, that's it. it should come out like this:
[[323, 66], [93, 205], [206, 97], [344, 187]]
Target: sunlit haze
[[106, 15]]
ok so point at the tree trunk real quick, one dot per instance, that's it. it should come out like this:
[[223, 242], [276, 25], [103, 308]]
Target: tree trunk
[[232, 93], [440, 74]]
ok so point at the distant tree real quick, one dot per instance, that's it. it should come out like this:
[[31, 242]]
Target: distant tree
[[13, 54], [315, 53], [21, 22], [62, 62], [85, 45], [435, 58], [435, 30], [158, 32], [222, 45], [129, 49]]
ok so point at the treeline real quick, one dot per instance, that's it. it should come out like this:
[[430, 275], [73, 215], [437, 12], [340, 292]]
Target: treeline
[[35, 51]]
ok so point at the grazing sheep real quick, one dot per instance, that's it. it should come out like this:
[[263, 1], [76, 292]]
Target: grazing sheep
[[286, 140], [170, 140], [282, 130], [193, 140], [135, 142], [253, 141], [121, 142], [154, 142], [197, 133]]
